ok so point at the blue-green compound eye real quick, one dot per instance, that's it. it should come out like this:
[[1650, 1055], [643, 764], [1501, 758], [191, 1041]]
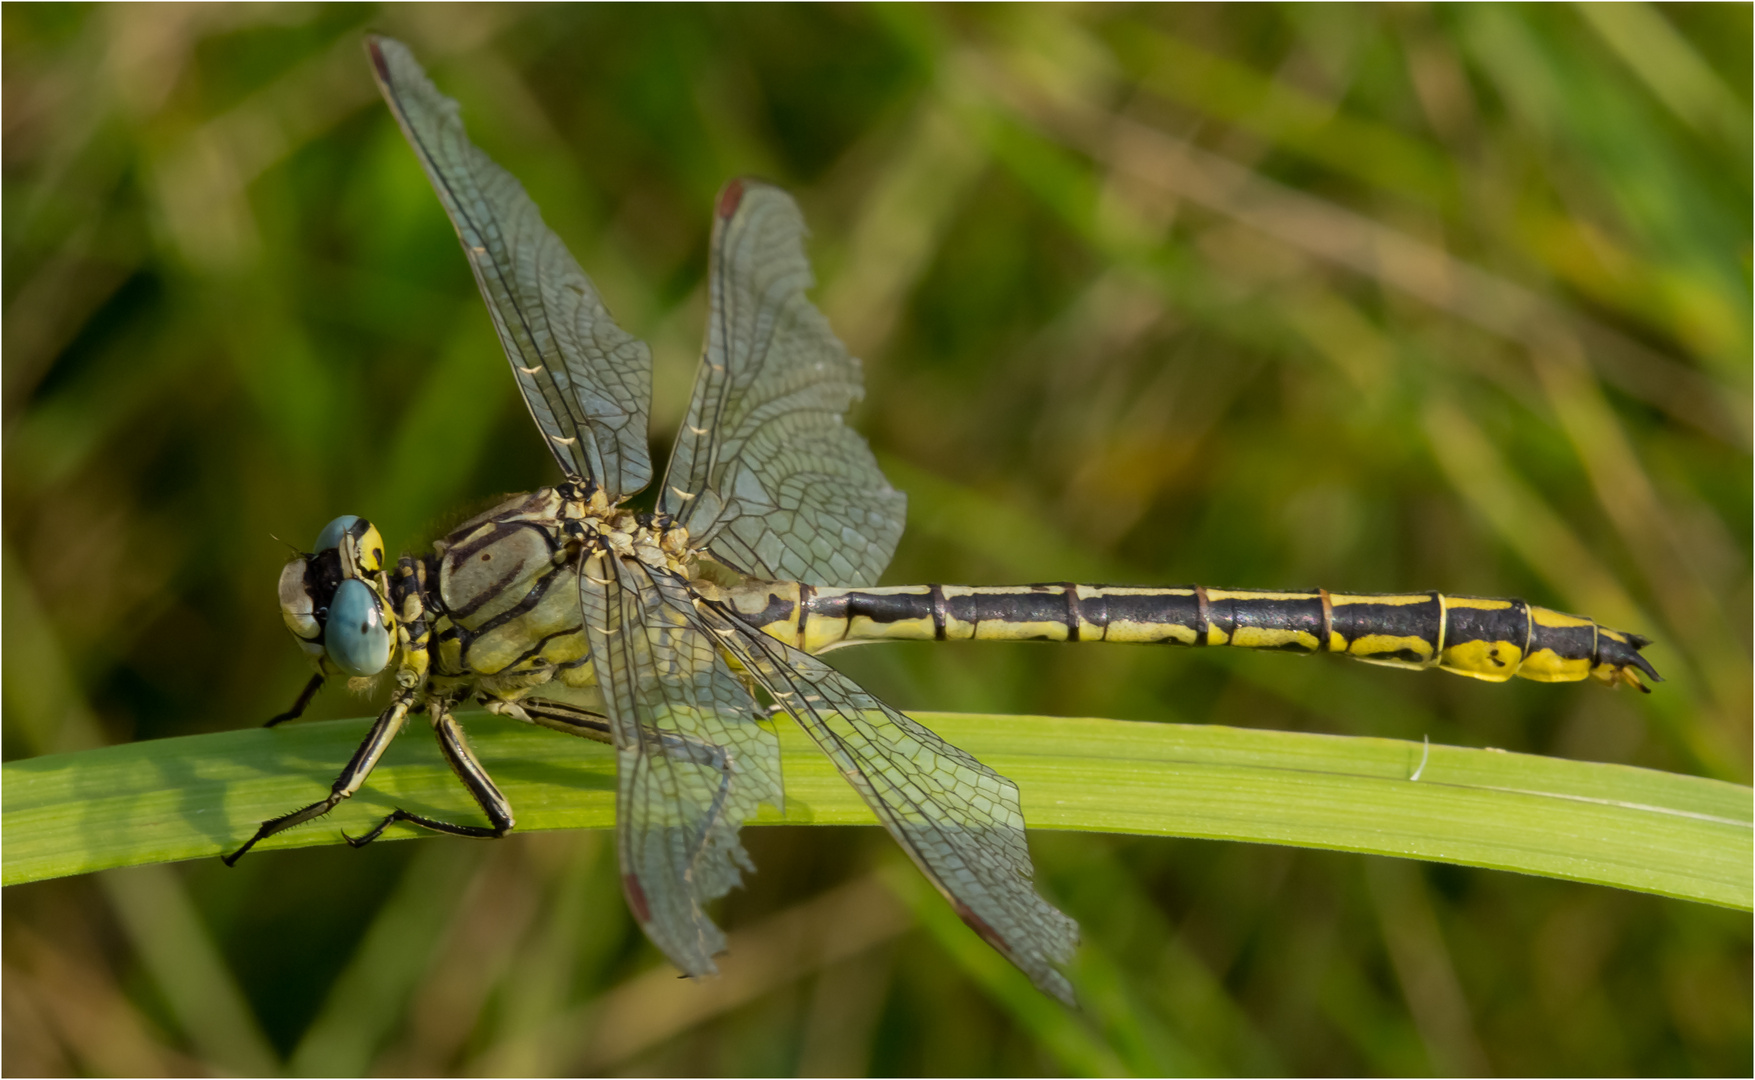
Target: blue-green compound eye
[[330, 537], [354, 635]]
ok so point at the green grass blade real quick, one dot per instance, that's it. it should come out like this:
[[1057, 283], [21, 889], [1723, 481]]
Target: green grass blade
[[1657, 832]]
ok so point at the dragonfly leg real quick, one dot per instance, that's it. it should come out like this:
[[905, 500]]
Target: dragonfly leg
[[298, 707], [564, 717], [364, 760], [586, 724], [474, 777]]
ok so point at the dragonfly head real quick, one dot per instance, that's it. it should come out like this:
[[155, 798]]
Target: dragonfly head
[[333, 600]]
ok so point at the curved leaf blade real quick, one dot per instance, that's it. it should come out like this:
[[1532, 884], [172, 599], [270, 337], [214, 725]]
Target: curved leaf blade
[[193, 797]]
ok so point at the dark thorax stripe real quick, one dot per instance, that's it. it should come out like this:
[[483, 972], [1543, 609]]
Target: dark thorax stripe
[[533, 597], [532, 658], [483, 542]]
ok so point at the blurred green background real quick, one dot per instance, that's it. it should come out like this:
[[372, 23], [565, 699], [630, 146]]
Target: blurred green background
[[1375, 298]]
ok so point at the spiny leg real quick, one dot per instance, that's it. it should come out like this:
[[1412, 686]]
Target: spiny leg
[[571, 719], [364, 760], [474, 777], [555, 715], [298, 707]]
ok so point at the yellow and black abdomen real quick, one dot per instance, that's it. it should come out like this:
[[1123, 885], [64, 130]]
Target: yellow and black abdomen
[[1483, 638]]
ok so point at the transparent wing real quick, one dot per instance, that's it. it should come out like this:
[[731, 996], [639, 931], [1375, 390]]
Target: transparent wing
[[586, 381], [958, 819], [766, 474], [692, 760]]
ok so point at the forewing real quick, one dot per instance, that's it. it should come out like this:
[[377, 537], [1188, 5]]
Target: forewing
[[958, 819], [586, 381], [766, 474], [693, 760]]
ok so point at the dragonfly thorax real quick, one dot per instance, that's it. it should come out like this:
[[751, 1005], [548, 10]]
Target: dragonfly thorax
[[500, 595]]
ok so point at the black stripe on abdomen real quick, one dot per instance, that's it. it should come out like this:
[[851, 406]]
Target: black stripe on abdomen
[[1285, 621]]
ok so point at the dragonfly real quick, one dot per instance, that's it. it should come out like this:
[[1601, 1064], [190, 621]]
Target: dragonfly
[[680, 637]]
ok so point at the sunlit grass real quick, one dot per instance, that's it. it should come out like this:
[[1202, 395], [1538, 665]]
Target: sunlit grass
[[199, 796]]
